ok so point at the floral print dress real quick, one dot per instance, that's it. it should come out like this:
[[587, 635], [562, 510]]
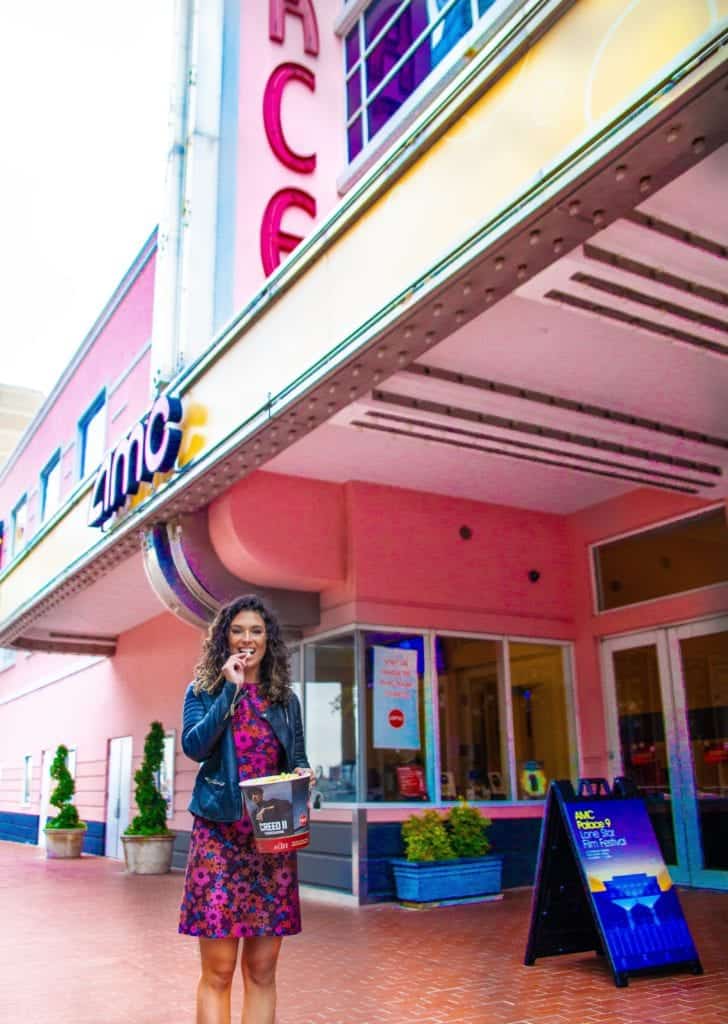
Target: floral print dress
[[231, 890]]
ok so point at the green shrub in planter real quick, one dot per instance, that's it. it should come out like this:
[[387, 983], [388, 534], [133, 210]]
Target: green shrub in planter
[[426, 838], [468, 831], [447, 859], [62, 795], [152, 817]]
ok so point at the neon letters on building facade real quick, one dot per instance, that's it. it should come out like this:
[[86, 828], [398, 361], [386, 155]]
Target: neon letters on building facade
[[150, 447], [274, 241]]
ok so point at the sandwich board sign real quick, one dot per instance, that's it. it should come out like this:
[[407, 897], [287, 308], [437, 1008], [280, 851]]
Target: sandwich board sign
[[602, 885]]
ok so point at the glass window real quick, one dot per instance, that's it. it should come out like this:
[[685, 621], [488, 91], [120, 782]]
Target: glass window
[[165, 775], [642, 738], [330, 717], [705, 669], [540, 723], [294, 654], [50, 487], [7, 658], [27, 778], [92, 437], [472, 757], [71, 761], [390, 52], [680, 556], [394, 668], [19, 527]]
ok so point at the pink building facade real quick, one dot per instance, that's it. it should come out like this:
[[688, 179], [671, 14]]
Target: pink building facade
[[434, 361]]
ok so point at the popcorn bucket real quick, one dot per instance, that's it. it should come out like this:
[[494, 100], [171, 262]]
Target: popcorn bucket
[[277, 806]]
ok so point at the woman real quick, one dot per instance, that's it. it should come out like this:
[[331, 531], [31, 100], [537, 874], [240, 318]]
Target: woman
[[241, 720]]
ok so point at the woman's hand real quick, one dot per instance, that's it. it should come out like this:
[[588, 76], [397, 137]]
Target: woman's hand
[[234, 668], [311, 776]]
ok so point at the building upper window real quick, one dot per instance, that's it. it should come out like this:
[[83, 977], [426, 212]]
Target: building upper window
[[19, 527], [27, 779], [392, 49], [50, 487], [668, 559], [92, 436], [7, 658]]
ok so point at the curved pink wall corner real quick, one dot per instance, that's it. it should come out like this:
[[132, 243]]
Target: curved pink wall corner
[[281, 531]]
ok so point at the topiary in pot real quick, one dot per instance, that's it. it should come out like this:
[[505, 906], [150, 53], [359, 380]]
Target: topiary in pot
[[152, 817], [147, 841], [64, 833]]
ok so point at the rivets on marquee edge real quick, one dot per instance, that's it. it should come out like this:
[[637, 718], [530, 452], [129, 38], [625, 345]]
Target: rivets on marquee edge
[[620, 172], [598, 219], [535, 237], [430, 336], [437, 309], [382, 352], [574, 207], [558, 245], [645, 184], [499, 262], [521, 271], [467, 288], [698, 145], [672, 133], [489, 293], [402, 357], [459, 316]]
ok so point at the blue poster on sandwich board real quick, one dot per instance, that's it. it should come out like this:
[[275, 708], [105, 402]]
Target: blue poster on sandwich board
[[600, 856]]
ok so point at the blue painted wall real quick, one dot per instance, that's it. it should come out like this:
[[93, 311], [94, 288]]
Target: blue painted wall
[[23, 828], [18, 828]]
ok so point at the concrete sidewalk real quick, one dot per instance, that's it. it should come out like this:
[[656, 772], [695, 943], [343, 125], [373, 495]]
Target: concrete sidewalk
[[85, 943]]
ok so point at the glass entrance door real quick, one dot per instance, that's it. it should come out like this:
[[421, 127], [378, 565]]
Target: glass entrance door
[[667, 693]]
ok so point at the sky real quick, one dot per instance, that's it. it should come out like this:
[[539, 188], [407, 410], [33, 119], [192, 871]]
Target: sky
[[84, 100]]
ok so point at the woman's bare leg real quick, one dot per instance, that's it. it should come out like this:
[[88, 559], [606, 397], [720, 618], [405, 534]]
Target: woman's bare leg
[[218, 958], [259, 959]]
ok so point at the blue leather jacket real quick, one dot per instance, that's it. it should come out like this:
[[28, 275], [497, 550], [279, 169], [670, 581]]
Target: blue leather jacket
[[208, 738]]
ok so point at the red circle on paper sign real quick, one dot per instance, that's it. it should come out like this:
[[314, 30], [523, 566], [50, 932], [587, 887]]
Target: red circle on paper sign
[[396, 718]]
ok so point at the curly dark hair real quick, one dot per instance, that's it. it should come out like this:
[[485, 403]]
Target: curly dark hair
[[275, 671]]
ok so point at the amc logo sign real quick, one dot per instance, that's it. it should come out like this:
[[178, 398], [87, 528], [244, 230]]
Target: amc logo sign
[[150, 447]]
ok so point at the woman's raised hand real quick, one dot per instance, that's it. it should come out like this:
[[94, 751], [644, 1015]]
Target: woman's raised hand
[[234, 668]]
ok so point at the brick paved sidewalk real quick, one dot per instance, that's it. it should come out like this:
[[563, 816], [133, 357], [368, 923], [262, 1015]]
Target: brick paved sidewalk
[[84, 943]]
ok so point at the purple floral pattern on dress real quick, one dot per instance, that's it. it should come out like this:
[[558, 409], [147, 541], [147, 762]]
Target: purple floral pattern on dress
[[231, 890]]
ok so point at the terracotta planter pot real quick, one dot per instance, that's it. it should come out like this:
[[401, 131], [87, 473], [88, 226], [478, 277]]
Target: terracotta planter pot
[[148, 855], [64, 842]]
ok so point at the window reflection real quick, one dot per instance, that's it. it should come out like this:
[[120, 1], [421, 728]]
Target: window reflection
[[394, 673], [538, 693], [330, 713], [404, 43], [471, 757]]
